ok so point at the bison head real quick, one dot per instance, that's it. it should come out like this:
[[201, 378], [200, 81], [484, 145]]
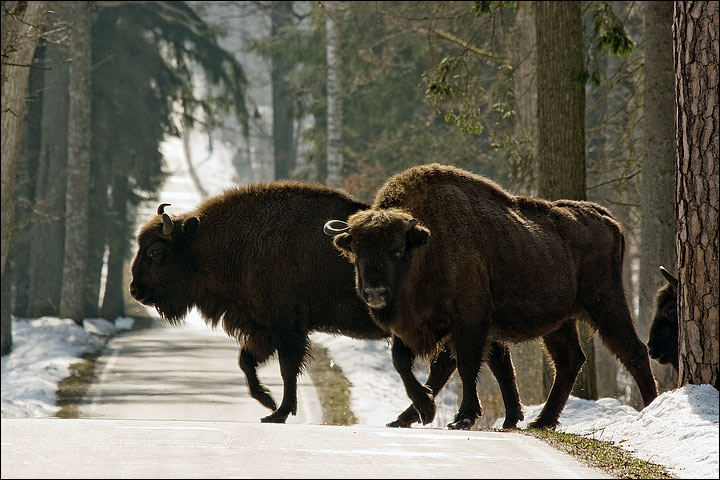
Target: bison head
[[381, 244], [160, 267], [663, 342]]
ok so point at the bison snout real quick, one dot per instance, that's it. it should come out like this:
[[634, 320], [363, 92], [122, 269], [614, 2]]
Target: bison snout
[[375, 297]]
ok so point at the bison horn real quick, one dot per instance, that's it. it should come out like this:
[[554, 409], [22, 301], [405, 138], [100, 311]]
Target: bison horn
[[335, 227], [168, 225], [161, 208], [669, 277]]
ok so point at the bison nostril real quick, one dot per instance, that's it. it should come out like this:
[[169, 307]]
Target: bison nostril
[[133, 290], [375, 293]]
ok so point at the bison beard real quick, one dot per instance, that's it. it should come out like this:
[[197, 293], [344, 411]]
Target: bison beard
[[447, 257], [255, 260]]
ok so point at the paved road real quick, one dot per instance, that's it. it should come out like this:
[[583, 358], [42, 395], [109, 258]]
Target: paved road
[[82, 448], [184, 373], [171, 403]]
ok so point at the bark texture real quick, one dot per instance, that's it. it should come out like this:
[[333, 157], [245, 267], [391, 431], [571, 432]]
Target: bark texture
[[695, 27]]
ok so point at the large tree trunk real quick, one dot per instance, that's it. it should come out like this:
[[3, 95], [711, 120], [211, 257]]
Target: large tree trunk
[[561, 119], [72, 298], [283, 112], [657, 184], [21, 30], [48, 227], [20, 36], [334, 96], [695, 26]]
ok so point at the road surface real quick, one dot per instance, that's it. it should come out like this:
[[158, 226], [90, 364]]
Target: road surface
[[171, 402], [185, 373], [93, 448]]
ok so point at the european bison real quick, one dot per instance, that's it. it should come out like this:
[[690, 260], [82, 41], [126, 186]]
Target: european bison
[[255, 261], [663, 342], [445, 256]]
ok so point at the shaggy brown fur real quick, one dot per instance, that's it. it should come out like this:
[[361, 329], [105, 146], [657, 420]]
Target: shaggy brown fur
[[445, 255], [254, 260]]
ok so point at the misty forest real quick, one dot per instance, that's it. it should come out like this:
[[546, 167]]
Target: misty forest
[[611, 102]]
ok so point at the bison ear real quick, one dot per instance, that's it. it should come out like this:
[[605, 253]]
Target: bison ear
[[342, 243], [190, 225], [418, 235]]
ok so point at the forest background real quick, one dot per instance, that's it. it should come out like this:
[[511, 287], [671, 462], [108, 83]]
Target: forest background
[[580, 100]]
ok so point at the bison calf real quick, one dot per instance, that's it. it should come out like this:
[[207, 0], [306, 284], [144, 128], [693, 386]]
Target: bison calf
[[254, 260], [663, 341], [445, 256]]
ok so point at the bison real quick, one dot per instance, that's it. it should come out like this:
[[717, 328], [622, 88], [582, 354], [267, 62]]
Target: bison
[[254, 260], [447, 257], [663, 342]]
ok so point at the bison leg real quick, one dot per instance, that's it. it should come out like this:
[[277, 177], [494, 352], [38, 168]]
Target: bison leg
[[441, 369], [564, 348], [502, 367], [248, 364], [291, 355], [421, 395], [614, 324], [469, 345]]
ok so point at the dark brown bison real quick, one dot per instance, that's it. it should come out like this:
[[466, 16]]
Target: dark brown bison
[[663, 342], [254, 260], [445, 256]]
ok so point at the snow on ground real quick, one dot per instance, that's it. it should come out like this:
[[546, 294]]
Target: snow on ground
[[43, 350]]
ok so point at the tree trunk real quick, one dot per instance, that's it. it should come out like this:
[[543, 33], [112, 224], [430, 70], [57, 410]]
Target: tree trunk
[[561, 119], [657, 236], [113, 304], [334, 95], [48, 227], [695, 26], [20, 36], [72, 298], [22, 27], [281, 18]]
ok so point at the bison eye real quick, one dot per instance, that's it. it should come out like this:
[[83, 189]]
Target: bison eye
[[398, 253], [155, 252]]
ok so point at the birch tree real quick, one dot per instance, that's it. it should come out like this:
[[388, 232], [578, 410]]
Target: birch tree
[[334, 95]]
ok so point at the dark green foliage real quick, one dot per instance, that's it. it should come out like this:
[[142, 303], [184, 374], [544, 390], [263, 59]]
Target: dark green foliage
[[387, 126]]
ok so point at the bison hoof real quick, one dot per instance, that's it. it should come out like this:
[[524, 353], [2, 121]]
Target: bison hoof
[[464, 423], [275, 417], [542, 424], [405, 419], [511, 420]]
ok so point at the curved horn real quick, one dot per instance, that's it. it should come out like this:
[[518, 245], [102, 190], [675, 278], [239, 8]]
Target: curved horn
[[669, 277], [161, 208], [168, 225], [335, 227]]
